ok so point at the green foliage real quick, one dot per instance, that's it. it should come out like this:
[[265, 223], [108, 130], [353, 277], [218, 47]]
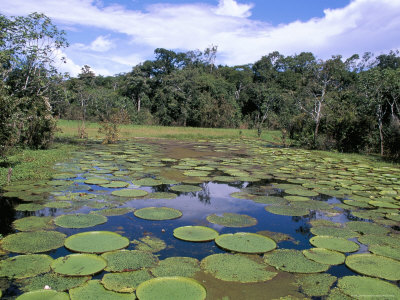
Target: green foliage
[[44, 294], [195, 233], [245, 242], [232, 220], [56, 282], [79, 264], [24, 266], [79, 220], [129, 260], [158, 213], [362, 286], [177, 266], [96, 242], [94, 290], [125, 282]]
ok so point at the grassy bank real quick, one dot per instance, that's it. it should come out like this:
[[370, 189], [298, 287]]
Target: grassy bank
[[34, 165], [69, 129]]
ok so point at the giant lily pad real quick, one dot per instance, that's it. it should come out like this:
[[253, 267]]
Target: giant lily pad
[[195, 233], [94, 290], [97, 181], [245, 242], [315, 284], [374, 265], [55, 281], [291, 260], [324, 256], [165, 288], [44, 295], [158, 213], [386, 251], [334, 243], [125, 282], [236, 267], [33, 223], [149, 244], [232, 220], [116, 211], [79, 264], [33, 242], [176, 266], [29, 207], [115, 184], [79, 220], [129, 193], [366, 228], [24, 266], [129, 260], [286, 210], [366, 287], [334, 231], [96, 242], [185, 188]]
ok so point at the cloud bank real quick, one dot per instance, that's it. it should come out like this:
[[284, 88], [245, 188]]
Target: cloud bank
[[130, 36]]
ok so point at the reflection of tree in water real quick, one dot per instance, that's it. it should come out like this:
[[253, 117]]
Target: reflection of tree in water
[[305, 228], [204, 195], [163, 188], [7, 215]]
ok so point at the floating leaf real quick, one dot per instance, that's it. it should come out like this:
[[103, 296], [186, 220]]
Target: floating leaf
[[176, 266], [96, 242], [161, 195], [165, 288], [79, 220], [315, 285], [374, 265], [367, 287], [334, 243], [97, 181], [158, 213], [366, 228], [117, 211], [33, 242], [149, 244], [24, 266], [291, 260], [245, 242], [285, 210], [56, 282], [334, 231], [147, 182], [386, 251], [29, 207], [232, 220], [184, 188], [79, 264], [33, 223], [94, 290], [195, 233], [128, 260], [324, 256], [129, 193], [44, 294], [236, 267], [115, 184], [125, 282]]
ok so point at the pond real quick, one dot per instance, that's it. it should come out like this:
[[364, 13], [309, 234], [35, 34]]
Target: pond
[[221, 219]]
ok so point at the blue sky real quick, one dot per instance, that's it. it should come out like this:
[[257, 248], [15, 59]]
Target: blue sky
[[112, 36]]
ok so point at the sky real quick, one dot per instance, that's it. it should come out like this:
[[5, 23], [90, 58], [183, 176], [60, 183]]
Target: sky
[[112, 36]]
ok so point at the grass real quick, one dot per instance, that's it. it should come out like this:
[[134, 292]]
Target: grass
[[69, 129], [34, 165]]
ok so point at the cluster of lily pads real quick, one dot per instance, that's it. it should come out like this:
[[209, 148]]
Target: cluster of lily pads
[[284, 182]]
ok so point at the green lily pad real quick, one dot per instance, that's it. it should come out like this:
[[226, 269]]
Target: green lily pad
[[366, 287], [94, 290], [315, 285], [79, 220], [33, 242], [384, 240], [147, 182], [129, 193], [149, 244], [44, 295], [29, 207], [270, 200], [158, 213], [291, 260], [195, 233], [374, 265], [115, 184], [96, 242], [196, 173], [334, 243], [97, 181], [125, 282], [79, 264], [366, 228], [384, 204], [58, 204], [55, 281], [296, 198], [236, 267], [129, 260], [161, 195], [176, 266], [232, 220], [165, 288], [334, 231], [285, 210], [245, 242], [33, 223], [116, 211], [386, 251], [301, 192], [324, 256], [24, 266], [185, 188]]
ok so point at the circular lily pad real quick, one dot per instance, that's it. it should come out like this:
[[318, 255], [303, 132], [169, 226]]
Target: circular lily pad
[[176, 266], [96, 242], [55, 281], [315, 285], [185, 188], [285, 210], [149, 244], [129, 260], [33, 242], [384, 240], [96, 181], [301, 192], [29, 207], [44, 294], [165, 288], [334, 243], [386, 251], [79, 264], [115, 184], [33, 223], [291, 260], [366, 228], [79, 220], [245, 242], [195, 233], [129, 193], [366, 287], [116, 211], [161, 195], [24, 266], [232, 220], [324, 256], [94, 290], [334, 231], [236, 267], [58, 204], [125, 282], [374, 265], [158, 213], [147, 182]]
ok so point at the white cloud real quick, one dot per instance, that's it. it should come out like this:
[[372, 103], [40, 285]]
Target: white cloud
[[363, 25]]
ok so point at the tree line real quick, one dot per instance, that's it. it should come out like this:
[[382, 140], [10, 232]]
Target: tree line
[[347, 105]]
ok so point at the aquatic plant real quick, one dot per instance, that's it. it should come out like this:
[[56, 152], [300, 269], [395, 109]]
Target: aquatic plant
[[79, 264], [79, 220], [176, 266], [232, 220], [96, 242], [195, 233], [245, 242], [324, 256], [362, 286], [24, 266], [33, 223], [129, 260], [315, 285], [44, 294], [125, 282], [55, 281], [94, 290], [158, 213], [334, 243], [149, 244]]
